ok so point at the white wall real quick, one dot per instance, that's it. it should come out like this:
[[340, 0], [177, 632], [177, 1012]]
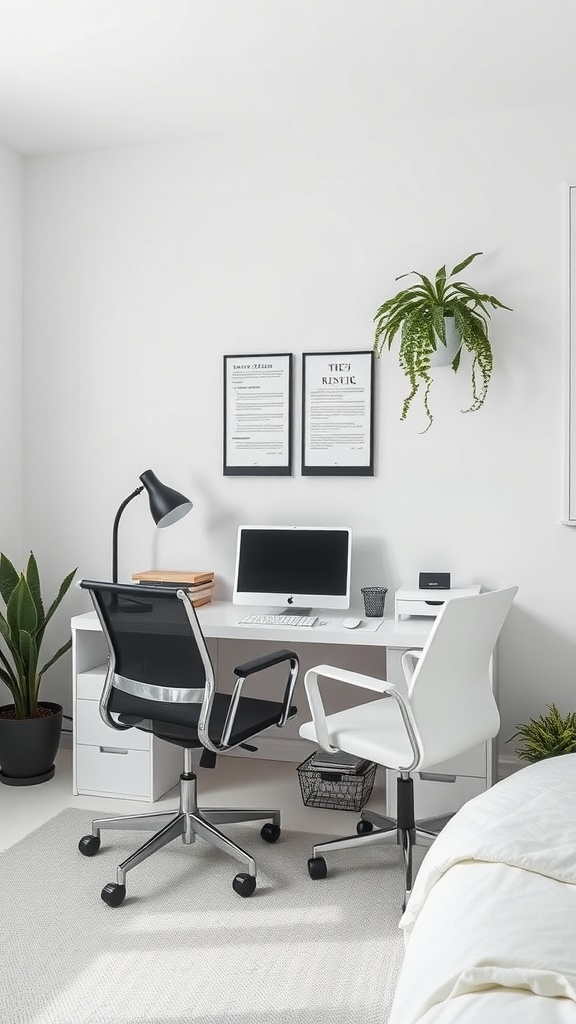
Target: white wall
[[11, 198], [144, 266]]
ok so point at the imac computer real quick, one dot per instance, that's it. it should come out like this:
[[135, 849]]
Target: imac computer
[[295, 568]]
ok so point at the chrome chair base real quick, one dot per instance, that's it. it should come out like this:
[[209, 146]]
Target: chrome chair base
[[377, 830], [186, 824]]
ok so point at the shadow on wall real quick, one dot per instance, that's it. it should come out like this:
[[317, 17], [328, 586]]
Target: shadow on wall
[[536, 667], [370, 568], [220, 522]]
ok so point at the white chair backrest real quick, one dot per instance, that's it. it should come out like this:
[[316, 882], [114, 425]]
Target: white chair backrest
[[451, 696]]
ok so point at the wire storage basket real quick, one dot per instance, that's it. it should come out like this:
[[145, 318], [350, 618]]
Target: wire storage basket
[[374, 600], [336, 790]]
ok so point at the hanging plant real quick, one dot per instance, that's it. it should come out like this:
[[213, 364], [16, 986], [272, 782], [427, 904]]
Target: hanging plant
[[421, 313]]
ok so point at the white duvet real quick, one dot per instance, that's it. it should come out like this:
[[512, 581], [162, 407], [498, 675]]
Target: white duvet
[[490, 928]]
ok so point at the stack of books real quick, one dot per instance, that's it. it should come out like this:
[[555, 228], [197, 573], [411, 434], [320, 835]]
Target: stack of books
[[346, 764], [199, 584]]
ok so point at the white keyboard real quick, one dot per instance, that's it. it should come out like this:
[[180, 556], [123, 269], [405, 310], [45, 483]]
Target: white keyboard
[[278, 620]]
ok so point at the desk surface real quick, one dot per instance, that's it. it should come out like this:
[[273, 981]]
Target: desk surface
[[220, 619]]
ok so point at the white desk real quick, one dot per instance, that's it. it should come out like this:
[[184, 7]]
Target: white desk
[[137, 765], [220, 619]]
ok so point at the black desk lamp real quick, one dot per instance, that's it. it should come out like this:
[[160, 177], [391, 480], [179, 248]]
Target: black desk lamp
[[166, 505]]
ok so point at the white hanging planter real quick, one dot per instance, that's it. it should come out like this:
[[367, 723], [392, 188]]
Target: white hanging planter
[[444, 354]]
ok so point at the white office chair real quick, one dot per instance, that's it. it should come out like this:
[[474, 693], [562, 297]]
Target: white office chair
[[445, 708]]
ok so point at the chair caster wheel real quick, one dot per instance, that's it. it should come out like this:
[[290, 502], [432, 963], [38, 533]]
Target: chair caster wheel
[[270, 833], [89, 845], [244, 884], [317, 867], [113, 894], [363, 827]]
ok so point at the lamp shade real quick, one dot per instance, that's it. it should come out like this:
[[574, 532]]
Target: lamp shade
[[166, 505]]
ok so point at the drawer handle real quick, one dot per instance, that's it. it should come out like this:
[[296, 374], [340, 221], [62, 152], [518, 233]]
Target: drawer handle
[[432, 777], [112, 750]]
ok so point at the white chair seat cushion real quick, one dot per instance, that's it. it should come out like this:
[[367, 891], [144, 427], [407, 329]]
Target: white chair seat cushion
[[374, 730]]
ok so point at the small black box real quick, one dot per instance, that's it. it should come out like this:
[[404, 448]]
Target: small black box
[[434, 581]]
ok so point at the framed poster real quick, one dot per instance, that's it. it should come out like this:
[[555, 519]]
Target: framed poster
[[258, 415], [337, 414]]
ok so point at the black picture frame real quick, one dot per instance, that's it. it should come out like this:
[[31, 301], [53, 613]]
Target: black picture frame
[[257, 399], [338, 413]]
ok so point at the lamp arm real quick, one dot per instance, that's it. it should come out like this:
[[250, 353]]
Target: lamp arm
[[115, 532]]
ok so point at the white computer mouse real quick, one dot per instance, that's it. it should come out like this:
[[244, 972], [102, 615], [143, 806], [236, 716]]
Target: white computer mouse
[[351, 623]]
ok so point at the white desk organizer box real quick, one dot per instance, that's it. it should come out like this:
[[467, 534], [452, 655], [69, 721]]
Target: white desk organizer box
[[410, 600]]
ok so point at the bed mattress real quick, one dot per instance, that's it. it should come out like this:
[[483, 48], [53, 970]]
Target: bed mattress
[[490, 928]]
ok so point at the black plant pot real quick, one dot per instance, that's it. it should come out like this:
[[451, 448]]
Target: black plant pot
[[28, 746]]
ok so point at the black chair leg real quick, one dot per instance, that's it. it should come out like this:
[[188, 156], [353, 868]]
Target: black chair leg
[[207, 759]]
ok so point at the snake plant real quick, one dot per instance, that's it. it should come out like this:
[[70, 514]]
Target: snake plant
[[22, 629], [418, 313]]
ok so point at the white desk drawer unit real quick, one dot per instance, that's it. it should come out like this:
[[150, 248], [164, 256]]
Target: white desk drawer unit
[[114, 771], [434, 794], [91, 730], [132, 764]]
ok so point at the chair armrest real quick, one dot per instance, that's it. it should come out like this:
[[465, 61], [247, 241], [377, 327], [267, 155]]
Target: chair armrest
[[250, 668], [409, 661], [265, 661], [343, 675]]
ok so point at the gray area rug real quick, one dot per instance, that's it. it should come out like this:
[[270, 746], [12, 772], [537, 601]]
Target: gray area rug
[[183, 947]]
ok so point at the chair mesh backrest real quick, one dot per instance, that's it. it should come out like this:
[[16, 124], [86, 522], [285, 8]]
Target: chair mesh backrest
[[151, 635], [451, 696]]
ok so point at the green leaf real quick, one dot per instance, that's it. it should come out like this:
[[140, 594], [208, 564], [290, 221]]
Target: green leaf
[[21, 610], [478, 297], [8, 578], [8, 679], [429, 288], [64, 587], [465, 263], [440, 283], [12, 643], [29, 654], [62, 650], [33, 581], [438, 323]]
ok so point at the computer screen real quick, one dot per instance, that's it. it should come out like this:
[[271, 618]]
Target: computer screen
[[293, 566]]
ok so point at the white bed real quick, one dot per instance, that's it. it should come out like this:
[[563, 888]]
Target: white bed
[[490, 928]]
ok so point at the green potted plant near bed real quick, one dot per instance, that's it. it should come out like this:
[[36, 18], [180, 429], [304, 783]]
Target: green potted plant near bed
[[546, 736], [431, 314], [29, 728]]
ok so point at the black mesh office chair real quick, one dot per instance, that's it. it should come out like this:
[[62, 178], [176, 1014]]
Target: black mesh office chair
[[161, 679]]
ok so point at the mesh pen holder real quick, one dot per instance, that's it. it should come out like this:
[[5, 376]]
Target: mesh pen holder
[[374, 598]]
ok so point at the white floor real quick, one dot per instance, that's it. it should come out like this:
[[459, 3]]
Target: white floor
[[236, 781]]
